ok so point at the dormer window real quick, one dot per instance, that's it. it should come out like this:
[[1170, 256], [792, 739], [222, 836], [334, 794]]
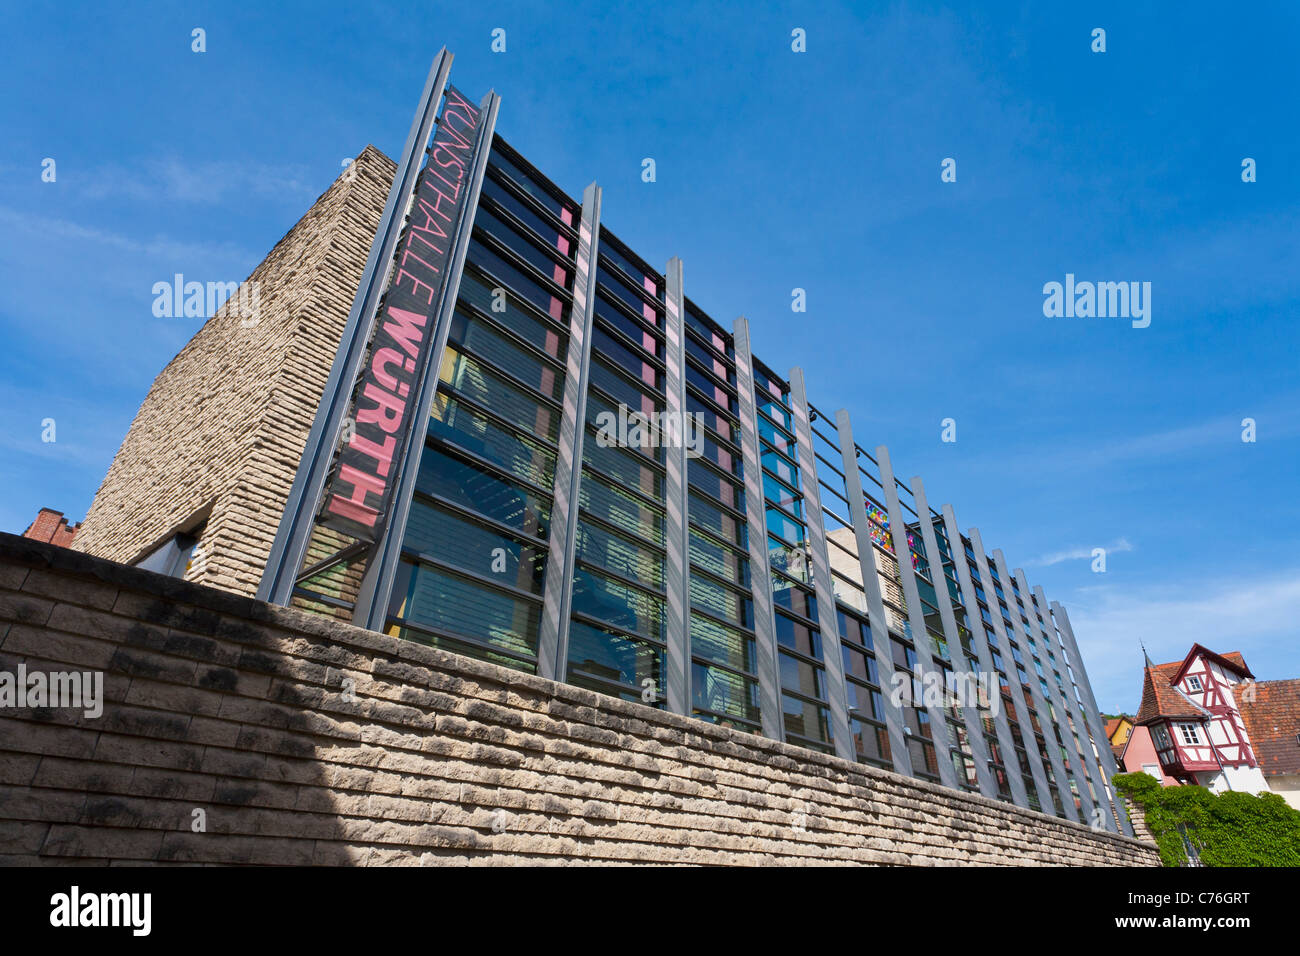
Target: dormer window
[[1194, 683]]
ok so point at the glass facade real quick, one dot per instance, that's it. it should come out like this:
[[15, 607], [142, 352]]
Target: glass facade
[[617, 628], [474, 550], [795, 559]]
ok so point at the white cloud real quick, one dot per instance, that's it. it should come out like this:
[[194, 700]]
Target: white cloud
[[205, 181], [1076, 554], [1258, 615], [51, 227]]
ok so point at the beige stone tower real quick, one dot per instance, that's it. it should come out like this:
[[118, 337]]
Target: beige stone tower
[[217, 441]]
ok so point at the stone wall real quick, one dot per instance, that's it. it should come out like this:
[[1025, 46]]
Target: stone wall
[[304, 740], [221, 432], [1137, 816]]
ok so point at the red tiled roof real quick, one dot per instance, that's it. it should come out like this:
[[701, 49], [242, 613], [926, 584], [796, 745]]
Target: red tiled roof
[[1111, 726], [1273, 723], [1236, 658], [1118, 751], [1160, 698]]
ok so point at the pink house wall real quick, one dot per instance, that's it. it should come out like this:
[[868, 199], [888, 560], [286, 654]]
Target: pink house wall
[[1142, 750]]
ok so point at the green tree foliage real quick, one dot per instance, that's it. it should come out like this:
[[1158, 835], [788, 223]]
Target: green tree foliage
[[1227, 829]]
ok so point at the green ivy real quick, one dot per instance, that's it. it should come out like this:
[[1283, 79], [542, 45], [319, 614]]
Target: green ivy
[[1227, 829]]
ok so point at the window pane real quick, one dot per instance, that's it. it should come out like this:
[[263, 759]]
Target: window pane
[[522, 245], [723, 524], [620, 508], [499, 396], [480, 337], [723, 692], [457, 422], [625, 607], [623, 466], [516, 316], [615, 553], [715, 642], [721, 560], [522, 283], [804, 718], [432, 529], [613, 659], [721, 601], [436, 598], [477, 488]]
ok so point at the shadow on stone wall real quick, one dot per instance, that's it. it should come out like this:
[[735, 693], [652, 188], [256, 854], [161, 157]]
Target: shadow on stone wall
[[295, 739]]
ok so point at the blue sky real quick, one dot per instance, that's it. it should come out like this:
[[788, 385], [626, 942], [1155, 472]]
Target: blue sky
[[775, 170]]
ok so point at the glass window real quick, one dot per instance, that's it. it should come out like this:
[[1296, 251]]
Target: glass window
[[519, 282], [779, 494], [798, 637], [516, 405], [524, 246], [780, 467], [801, 677], [432, 597], [481, 338], [859, 664], [723, 561], [616, 506], [708, 329], [595, 545], [542, 228], [626, 358], [721, 601], [641, 434], [710, 362], [904, 656], [638, 275], [804, 718], [712, 418], [510, 311], [722, 523], [526, 181], [713, 484], [794, 598], [478, 550], [725, 645], [626, 607], [617, 387], [604, 661], [619, 288], [855, 630], [1189, 733], [783, 526], [723, 692], [639, 334], [475, 487], [625, 467], [523, 457]]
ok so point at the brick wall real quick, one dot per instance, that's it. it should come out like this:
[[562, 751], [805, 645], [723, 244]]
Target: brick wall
[[223, 427], [216, 702], [51, 526]]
